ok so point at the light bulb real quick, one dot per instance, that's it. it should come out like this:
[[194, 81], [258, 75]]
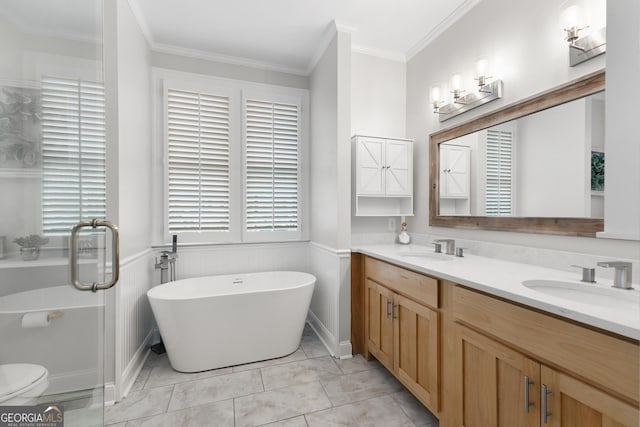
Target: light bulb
[[571, 16]]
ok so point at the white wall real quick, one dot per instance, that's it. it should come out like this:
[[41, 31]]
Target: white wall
[[378, 108], [622, 149], [323, 84], [230, 71], [128, 97], [330, 162], [531, 59]]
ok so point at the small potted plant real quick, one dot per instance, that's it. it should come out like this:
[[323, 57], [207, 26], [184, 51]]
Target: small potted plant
[[30, 246]]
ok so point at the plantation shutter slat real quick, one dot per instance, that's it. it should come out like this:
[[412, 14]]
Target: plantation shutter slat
[[73, 153], [499, 164], [198, 161], [271, 166]]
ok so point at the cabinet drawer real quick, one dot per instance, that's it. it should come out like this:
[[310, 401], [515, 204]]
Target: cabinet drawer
[[420, 288]]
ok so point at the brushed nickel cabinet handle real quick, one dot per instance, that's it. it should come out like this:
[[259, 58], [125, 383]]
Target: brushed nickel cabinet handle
[[527, 384], [545, 414]]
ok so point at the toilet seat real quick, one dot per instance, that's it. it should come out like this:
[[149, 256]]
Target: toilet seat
[[22, 379]]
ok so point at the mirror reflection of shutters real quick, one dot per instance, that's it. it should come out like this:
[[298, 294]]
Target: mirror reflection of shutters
[[499, 168]]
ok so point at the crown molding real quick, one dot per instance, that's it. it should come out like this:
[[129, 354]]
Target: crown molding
[[226, 59], [142, 22], [332, 29], [380, 53], [441, 27]]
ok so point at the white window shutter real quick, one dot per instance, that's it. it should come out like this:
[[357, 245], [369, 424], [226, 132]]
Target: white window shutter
[[272, 141], [499, 171], [73, 153], [198, 161]]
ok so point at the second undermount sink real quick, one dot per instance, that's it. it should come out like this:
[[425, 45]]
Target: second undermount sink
[[587, 293], [425, 255]]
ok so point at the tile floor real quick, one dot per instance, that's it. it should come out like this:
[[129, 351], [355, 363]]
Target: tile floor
[[306, 388]]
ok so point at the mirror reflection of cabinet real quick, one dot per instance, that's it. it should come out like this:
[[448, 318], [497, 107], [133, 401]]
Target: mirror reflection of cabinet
[[455, 179]]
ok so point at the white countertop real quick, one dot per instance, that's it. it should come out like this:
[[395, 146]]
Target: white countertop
[[504, 279]]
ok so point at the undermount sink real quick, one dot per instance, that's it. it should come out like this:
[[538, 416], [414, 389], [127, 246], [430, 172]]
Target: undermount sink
[[425, 255], [587, 293]]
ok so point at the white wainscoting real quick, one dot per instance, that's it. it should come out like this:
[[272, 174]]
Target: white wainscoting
[[197, 261], [133, 320], [330, 311]]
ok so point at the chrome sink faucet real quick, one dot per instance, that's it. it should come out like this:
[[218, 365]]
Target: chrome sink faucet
[[622, 278], [450, 247]]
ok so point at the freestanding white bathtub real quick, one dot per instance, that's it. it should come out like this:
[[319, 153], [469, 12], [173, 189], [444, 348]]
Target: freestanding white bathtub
[[217, 321]]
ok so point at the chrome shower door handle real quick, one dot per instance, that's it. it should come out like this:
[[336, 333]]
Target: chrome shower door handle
[[73, 255]]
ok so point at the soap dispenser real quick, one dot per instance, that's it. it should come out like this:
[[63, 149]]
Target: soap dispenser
[[404, 237]]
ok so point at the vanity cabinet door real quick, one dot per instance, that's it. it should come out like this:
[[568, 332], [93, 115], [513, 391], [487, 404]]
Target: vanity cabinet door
[[572, 403], [416, 349], [491, 378], [379, 322]]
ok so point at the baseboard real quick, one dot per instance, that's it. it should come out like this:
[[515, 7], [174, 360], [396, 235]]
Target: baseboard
[[134, 367], [345, 350], [326, 337], [109, 394]]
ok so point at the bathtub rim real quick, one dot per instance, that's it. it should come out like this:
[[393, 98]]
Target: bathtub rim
[[309, 280]]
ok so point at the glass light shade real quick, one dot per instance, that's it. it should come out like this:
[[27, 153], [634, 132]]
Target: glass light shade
[[482, 67], [456, 82], [436, 95], [572, 16]]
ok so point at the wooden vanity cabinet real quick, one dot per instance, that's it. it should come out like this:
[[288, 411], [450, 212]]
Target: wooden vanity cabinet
[[401, 326], [495, 380], [474, 359]]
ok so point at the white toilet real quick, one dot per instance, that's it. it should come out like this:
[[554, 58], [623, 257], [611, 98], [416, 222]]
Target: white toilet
[[22, 383]]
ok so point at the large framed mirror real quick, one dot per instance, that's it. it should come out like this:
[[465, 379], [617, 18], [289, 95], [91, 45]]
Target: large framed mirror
[[535, 166]]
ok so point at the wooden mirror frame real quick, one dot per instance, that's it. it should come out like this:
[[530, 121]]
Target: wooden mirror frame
[[579, 88]]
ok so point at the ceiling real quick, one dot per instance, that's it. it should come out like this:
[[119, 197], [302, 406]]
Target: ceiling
[[283, 35], [286, 35]]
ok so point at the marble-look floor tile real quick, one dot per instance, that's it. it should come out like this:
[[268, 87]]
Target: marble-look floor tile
[[378, 412], [290, 422], [295, 356], [141, 379], [219, 414], [163, 374], [301, 372], [313, 347], [415, 410], [280, 404], [139, 404], [360, 386], [123, 424], [222, 387], [357, 363]]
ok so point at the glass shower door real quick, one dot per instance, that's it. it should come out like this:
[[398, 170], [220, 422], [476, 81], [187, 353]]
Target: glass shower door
[[52, 175]]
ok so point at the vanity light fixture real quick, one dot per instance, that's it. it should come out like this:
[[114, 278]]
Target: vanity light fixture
[[487, 92], [588, 46]]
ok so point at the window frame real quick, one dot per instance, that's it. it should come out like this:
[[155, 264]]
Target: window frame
[[235, 90]]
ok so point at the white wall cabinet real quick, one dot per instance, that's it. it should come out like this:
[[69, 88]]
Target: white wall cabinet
[[383, 176]]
